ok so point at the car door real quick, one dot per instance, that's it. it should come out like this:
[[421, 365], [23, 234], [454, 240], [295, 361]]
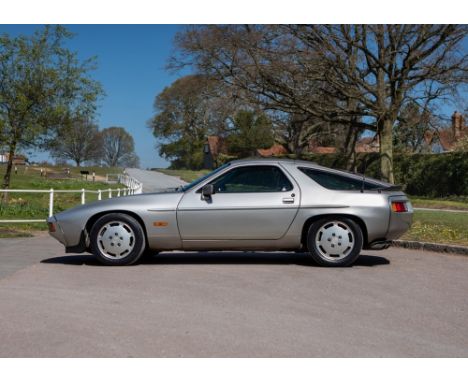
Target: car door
[[250, 202]]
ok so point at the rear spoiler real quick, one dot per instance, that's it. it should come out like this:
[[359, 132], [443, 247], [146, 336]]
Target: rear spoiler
[[395, 187]]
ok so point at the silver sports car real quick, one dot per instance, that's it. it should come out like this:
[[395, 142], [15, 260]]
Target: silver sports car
[[244, 205]]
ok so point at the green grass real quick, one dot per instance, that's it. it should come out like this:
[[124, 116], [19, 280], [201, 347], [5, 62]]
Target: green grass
[[36, 205], [439, 227], [457, 204], [186, 175]]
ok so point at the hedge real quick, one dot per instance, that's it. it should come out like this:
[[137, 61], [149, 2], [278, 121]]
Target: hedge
[[430, 175]]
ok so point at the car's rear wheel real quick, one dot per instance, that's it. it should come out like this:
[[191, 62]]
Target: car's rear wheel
[[117, 239], [335, 241]]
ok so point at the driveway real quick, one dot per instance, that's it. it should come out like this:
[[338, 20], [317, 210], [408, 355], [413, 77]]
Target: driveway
[[154, 181], [399, 303]]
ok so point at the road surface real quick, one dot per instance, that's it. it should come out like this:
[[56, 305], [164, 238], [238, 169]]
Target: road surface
[[154, 181], [398, 303]]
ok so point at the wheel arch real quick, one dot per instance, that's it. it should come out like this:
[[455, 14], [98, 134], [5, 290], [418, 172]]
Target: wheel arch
[[312, 219], [93, 219]]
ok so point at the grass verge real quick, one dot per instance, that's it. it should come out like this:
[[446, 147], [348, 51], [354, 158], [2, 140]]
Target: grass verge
[[439, 227], [450, 204]]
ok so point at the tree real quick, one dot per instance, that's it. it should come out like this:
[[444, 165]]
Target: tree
[[412, 127], [395, 65], [185, 114], [79, 140], [251, 132], [42, 84], [353, 77], [265, 67], [118, 148]]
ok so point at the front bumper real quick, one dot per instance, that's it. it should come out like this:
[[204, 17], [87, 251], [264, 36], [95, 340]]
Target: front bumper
[[55, 230]]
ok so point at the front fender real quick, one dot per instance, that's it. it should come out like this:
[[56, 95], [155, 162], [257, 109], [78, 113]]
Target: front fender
[[71, 224]]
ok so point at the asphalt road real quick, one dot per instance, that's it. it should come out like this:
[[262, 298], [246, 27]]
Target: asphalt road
[[154, 181], [391, 303]]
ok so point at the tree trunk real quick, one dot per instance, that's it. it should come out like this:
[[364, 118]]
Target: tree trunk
[[386, 151], [7, 176]]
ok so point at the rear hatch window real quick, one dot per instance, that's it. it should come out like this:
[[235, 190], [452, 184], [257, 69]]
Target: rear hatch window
[[341, 182]]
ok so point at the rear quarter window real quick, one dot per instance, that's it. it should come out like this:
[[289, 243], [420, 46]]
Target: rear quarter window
[[334, 181]]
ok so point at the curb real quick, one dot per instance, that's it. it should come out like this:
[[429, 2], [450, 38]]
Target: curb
[[444, 248]]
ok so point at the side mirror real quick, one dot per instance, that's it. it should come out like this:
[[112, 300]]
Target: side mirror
[[207, 191]]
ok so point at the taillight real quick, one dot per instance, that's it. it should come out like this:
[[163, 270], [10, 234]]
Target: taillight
[[399, 207]]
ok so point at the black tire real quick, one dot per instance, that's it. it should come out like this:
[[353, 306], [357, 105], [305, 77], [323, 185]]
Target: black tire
[[149, 253], [132, 240], [335, 241]]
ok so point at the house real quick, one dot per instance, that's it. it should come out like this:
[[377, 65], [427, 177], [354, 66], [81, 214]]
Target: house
[[363, 145], [444, 140], [275, 150], [216, 146], [213, 146], [18, 159]]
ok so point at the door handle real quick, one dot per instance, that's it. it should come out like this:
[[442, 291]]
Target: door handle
[[288, 200]]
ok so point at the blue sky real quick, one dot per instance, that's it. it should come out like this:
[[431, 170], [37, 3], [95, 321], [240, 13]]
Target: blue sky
[[131, 67], [131, 61]]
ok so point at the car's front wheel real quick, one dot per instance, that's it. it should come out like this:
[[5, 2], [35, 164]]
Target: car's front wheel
[[335, 241], [117, 239]]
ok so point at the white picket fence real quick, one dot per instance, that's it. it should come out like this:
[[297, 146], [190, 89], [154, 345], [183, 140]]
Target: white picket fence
[[133, 187]]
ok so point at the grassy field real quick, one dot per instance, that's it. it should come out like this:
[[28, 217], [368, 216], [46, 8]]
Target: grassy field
[[36, 206], [186, 175], [439, 227], [457, 204]]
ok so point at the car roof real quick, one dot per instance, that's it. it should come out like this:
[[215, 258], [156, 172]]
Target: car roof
[[301, 162], [286, 161], [275, 160]]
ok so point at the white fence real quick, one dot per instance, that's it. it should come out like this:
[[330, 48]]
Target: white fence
[[131, 183], [133, 187]]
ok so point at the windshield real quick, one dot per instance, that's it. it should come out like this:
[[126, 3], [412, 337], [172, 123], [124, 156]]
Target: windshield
[[201, 179]]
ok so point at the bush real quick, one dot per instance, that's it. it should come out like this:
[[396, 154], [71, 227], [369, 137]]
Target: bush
[[433, 175]]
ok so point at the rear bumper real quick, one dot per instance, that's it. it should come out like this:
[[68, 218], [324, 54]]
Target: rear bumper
[[400, 223]]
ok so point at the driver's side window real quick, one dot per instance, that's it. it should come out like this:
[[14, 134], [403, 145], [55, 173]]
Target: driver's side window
[[252, 179]]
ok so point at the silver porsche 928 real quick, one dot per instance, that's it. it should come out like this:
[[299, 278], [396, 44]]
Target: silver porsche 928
[[244, 205]]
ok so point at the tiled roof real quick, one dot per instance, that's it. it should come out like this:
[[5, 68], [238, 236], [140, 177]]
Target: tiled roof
[[276, 149], [446, 137]]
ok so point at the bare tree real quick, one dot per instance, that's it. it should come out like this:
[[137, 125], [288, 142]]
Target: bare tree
[[395, 64], [79, 140], [356, 77], [413, 126], [266, 67], [118, 148]]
